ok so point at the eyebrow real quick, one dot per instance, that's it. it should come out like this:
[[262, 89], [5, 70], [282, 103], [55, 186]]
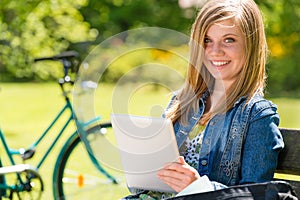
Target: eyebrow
[[226, 35], [229, 34]]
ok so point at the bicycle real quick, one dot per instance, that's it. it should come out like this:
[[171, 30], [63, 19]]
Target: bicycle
[[77, 173]]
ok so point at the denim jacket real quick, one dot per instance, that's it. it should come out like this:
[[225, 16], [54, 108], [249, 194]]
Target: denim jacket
[[240, 146]]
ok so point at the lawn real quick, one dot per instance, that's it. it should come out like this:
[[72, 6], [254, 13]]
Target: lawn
[[26, 110]]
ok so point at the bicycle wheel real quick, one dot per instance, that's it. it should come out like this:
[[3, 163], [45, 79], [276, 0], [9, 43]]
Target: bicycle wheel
[[77, 176], [31, 187]]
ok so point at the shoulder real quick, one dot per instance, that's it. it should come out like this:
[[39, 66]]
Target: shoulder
[[260, 107]]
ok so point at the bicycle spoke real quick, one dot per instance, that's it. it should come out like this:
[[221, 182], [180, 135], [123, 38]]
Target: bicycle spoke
[[77, 176], [83, 179]]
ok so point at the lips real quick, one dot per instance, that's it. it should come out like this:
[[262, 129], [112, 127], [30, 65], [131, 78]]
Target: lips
[[220, 63]]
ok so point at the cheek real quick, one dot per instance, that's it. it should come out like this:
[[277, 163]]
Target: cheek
[[240, 64], [206, 55], [238, 54], [206, 61], [241, 52]]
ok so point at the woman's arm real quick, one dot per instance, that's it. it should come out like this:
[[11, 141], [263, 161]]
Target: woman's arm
[[179, 175], [262, 145]]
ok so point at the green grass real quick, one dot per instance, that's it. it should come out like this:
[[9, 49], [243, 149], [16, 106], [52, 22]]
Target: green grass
[[26, 110], [288, 110]]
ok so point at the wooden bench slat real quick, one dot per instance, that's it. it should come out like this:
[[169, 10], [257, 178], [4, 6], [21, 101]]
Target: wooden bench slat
[[289, 157]]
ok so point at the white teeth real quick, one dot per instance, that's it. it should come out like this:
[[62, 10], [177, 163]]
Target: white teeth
[[217, 63]]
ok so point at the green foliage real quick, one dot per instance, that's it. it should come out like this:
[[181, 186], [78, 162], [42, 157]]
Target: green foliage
[[38, 28], [112, 17], [283, 34]]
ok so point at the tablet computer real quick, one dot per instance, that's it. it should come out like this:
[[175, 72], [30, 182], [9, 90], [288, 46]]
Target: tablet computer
[[145, 144]]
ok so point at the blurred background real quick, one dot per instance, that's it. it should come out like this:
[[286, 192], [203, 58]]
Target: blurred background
[[36, 28]]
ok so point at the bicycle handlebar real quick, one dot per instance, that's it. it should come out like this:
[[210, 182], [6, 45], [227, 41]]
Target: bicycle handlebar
[[62, 56]]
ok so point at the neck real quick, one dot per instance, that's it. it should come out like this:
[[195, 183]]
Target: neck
[[218, 95], [222, 85]]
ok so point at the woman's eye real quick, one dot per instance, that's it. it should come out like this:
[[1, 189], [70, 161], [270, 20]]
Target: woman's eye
[[206, 40], [229, 40]]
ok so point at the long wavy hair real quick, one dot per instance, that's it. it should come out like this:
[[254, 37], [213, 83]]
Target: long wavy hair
[[247, 16]]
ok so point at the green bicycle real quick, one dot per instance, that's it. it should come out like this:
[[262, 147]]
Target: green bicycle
[[77, 173]]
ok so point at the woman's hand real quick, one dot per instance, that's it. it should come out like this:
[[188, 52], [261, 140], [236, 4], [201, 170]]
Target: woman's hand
[[178, 175]]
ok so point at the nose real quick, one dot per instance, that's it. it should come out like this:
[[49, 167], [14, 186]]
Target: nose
[[215, 49]]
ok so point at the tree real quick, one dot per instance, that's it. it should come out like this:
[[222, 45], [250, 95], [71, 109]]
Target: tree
[[38, 28], [283, 35]]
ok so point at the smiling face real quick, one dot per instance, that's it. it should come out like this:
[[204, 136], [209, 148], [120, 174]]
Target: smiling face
[[225, 51]]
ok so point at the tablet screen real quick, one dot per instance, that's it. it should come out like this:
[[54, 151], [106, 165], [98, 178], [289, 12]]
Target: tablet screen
[[145, 144]]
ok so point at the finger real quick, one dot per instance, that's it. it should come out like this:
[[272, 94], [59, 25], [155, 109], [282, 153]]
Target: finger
[[176, 176], [177, 182], [181, 160], [182, 168]]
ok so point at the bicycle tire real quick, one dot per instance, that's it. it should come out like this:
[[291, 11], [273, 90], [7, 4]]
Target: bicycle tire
[[75, 176]]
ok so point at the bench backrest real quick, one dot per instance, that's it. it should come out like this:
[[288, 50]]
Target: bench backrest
[[289, 157]]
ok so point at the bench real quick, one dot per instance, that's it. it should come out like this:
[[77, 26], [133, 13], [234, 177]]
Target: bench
[[288, 167]]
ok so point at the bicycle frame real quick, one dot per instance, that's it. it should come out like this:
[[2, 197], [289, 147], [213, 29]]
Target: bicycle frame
[[14, 168], [29, 152], [11, 152]]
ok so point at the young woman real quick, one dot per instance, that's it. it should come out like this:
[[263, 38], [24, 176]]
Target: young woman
[[224, 127]]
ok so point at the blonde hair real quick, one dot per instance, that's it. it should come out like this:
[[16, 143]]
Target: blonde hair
[[247, 16]]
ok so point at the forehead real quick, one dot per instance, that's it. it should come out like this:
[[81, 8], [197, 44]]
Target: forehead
[[228, 26]]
